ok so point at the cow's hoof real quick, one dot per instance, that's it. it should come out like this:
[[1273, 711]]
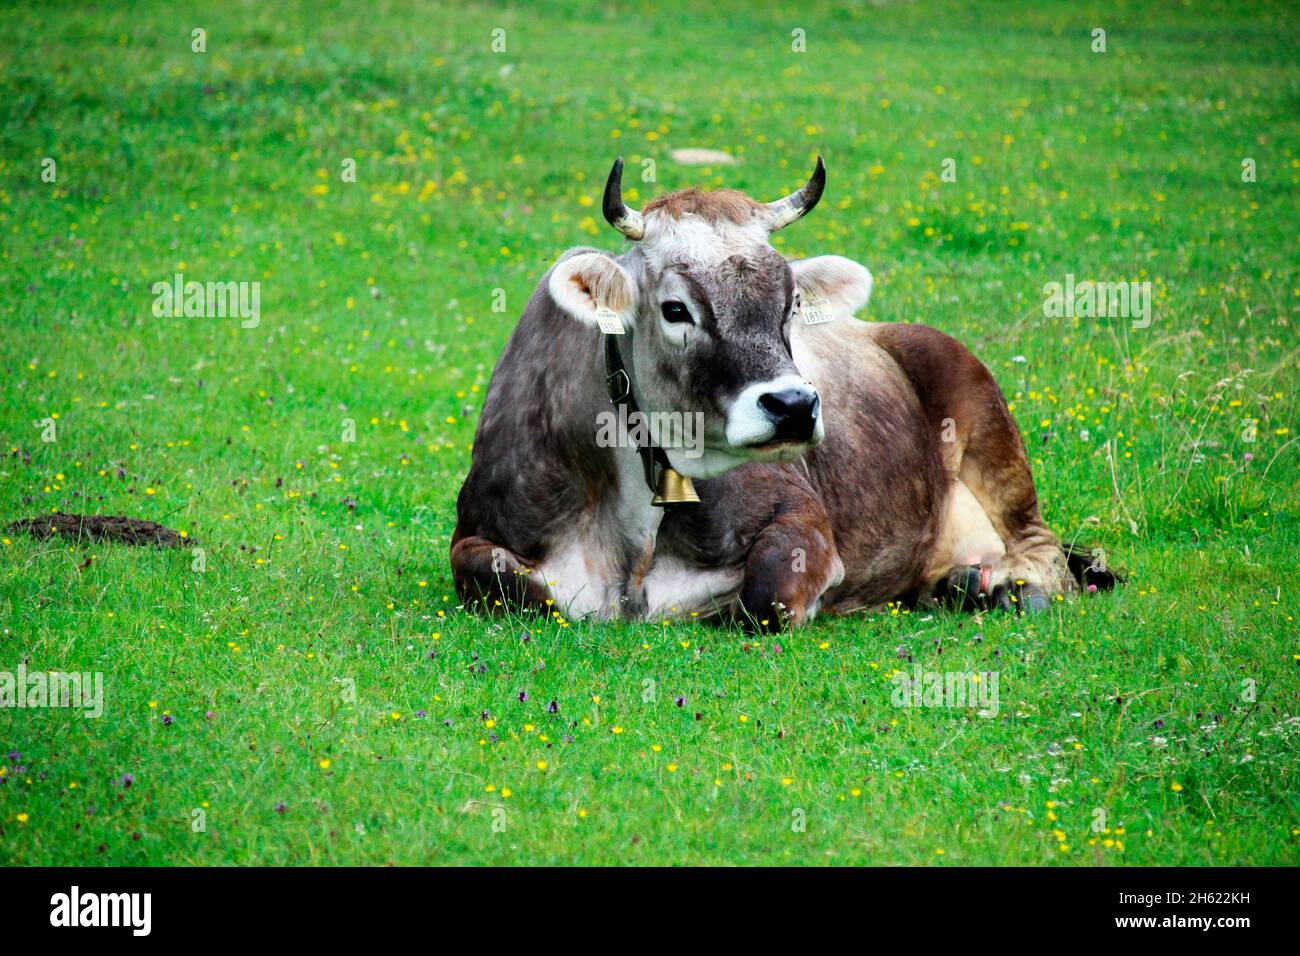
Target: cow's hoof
[[961, 589], [1031, 599], [1002, 599], [965, 590]]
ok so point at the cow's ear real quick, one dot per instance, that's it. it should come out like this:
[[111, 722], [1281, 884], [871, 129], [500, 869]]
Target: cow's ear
[[590, 282], [842, 284]]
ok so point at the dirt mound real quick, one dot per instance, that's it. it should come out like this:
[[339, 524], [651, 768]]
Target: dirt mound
[[100, 528]]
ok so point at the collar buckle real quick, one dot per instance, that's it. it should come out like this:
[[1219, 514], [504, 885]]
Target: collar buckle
[[618, 393], [668, 486]]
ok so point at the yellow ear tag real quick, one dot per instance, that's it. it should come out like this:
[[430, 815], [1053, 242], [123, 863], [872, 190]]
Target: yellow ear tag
[[815, 309], [609, 321]]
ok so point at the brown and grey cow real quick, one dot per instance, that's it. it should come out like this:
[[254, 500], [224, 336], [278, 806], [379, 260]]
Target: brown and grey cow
[[839, 464]]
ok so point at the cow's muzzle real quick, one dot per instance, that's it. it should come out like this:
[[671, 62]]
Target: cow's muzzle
[[793, 412], [777, 419]]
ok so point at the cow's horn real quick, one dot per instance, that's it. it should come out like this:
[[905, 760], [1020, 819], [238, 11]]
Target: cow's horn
[[627, 221], [785, 211]]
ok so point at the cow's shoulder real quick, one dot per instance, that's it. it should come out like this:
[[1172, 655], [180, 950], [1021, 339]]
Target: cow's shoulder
[[534, 470]]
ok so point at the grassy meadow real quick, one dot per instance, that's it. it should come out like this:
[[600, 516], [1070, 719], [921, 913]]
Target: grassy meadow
[[303, 689]]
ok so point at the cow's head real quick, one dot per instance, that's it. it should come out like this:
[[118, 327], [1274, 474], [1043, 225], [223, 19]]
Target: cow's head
[[708, 304]]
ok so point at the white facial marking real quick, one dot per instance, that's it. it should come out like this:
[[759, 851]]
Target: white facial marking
[[692, 239], [711, 463], [748, 424]]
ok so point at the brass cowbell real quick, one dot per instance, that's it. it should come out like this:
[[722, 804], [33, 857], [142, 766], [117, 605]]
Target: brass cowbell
[[674, 489]]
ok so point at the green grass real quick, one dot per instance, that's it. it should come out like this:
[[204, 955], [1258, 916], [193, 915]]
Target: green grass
[[475, 170]]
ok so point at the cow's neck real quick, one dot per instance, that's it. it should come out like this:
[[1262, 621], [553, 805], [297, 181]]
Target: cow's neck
[[639, 517], [636, 518], [598, 559]]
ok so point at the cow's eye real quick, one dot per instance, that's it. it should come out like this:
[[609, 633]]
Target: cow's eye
[[676, 312]]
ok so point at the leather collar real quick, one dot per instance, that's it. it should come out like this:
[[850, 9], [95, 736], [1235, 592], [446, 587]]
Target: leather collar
[[653, 458]]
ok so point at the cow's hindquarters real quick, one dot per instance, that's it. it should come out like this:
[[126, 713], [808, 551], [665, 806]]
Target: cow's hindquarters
[[986, 465], [967, 536]]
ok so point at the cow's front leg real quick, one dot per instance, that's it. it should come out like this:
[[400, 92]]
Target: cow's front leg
[[494, 578], [792, 563]]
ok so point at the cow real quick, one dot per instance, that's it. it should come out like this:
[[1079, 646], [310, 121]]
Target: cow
[[839, 465]]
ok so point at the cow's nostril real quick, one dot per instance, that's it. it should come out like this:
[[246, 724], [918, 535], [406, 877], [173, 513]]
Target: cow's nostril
[[793, 411], [776, 404]]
